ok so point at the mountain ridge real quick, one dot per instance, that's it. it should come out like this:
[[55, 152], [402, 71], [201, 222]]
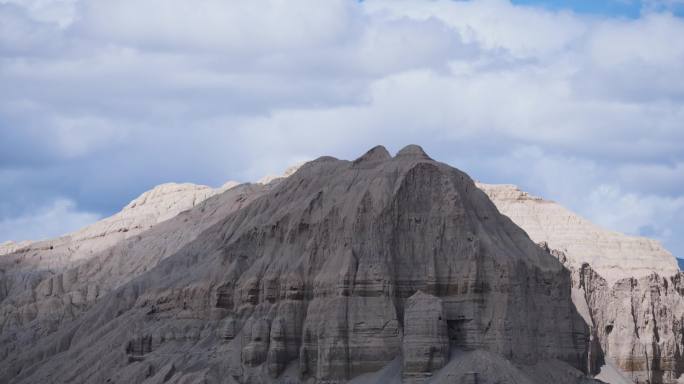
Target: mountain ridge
[[613, 254], [334, 242], [632, 299], [268, 312]]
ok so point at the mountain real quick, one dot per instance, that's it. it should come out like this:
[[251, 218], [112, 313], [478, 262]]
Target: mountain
[[629, 289], [381, 269], [152, 207], [613, 255]]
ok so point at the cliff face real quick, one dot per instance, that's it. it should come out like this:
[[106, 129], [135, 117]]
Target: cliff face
[[640, 323], [338, 271], [628, 288]]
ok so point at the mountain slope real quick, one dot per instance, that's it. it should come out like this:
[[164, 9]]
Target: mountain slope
[[631, 287], [335, 272], [150, 208], [613, 255], [38, 303]]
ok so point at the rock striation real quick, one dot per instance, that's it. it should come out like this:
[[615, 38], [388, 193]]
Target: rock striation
[[34, 276], [336, 272], [425, 347], [628, 288], [639, 322], [36, 302]]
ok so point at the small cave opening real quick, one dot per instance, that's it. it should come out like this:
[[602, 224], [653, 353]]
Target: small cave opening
[[457, 331], [224, 298], [609, 329]]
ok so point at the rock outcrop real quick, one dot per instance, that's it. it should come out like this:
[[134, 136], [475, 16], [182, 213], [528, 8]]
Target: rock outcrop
[[640, 323], [321, 277], [425, 346], [628, 288]]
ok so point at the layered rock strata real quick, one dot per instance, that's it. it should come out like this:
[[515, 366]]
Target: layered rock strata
[[37, 303], [322, 278], [640, 323], [628, 288], [425, 347]]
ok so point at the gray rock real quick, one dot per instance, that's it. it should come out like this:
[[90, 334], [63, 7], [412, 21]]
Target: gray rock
[[254, 353], [426, 342], [314, 275]]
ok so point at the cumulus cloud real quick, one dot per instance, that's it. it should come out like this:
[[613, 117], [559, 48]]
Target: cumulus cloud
[[59, 217], [102, 99]]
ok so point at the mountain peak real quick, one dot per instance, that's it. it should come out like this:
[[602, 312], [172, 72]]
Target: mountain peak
[[377, 153], [413, 150]]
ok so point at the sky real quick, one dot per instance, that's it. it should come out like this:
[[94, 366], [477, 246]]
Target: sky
[[581, 102]]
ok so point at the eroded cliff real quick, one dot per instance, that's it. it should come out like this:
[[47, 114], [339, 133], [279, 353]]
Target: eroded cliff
[[323, 277], [628, 288]]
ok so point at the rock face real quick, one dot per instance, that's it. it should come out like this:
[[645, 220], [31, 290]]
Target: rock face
[[36, 303], [425, 346], [37, 273], [640, 323], [336, 272], [628, 288]]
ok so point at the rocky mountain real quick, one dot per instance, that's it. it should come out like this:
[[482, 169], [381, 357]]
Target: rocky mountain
[[381, 269], [613, 255], [628, 288]]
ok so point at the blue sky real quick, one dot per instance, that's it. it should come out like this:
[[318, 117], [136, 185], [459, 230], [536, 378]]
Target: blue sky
[[600, 7], [608, 8], [579, 102]]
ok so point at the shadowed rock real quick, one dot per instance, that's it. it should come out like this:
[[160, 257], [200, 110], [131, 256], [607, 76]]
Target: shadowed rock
[[316, 278], [426, 342]]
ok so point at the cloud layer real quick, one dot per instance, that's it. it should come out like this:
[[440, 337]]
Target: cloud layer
[[102, 100]]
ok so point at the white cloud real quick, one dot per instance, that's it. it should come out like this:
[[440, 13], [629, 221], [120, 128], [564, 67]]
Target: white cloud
[[237, 27], [60, 12], [58, 218], [632, 213], [496, 24], [132, 93]]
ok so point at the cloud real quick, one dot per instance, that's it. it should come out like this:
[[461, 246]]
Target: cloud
[[239, 28], [59, 12], [102, 100], [60, 217]]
